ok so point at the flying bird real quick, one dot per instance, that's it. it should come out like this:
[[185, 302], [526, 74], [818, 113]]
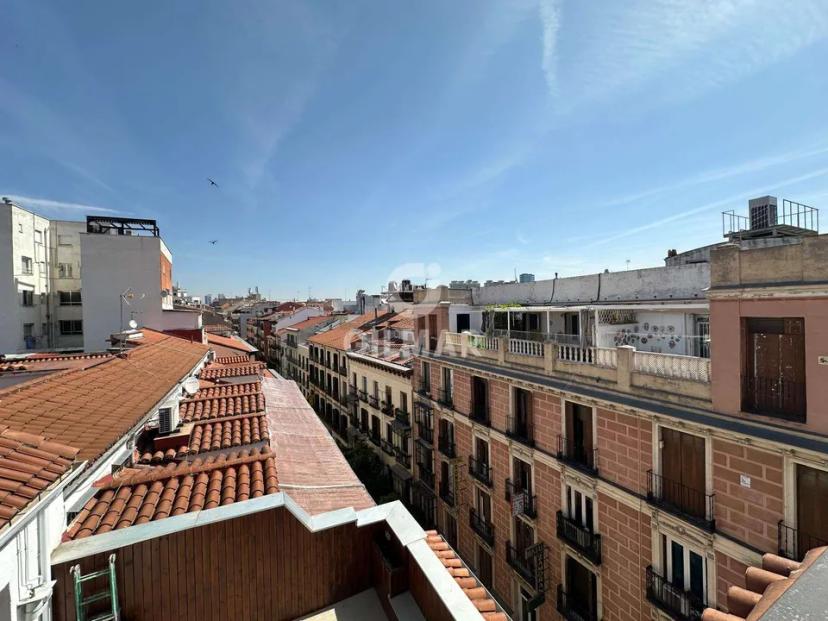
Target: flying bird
[[213, 241], [212, 182]]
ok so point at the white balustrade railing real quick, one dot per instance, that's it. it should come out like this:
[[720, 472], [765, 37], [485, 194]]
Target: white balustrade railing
[[452, 338], [483, 342], [523, 347], [598, 356], [673, 366]]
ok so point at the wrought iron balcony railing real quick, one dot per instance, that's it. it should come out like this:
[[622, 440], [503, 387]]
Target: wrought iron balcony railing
[[425, 433], [579, 537], [519, 561], [444, 397], [678, 603], [482, 527], [794, 543], [447, 447], [520, 429], [523, 502], [387, 447], [577, 455], [572, 609], [691, 504], [447, 494], [481, 471]]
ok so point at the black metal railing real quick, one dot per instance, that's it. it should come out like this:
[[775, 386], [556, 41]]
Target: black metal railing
[[480, 470], [677, 602], [579, 537], [444, 397], [373, 401], [794, 543], [425, 433], [480, 413], [402, 457], [481, 526], [446, 493], [375, 438], [520, 428], [387, 408], [523, 502], [363, 396], [687, 502], [578, 455], [424, 388], [518, 560], [447, 447], [426, 474], [774, 397], [573, 610], [402, 417], [387, 447], [343, 370]]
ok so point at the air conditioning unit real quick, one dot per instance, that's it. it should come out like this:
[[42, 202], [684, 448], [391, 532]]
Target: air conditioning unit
[[762, 212], [167, 420]]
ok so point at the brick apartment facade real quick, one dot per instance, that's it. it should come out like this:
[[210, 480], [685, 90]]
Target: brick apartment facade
[[587, 482]]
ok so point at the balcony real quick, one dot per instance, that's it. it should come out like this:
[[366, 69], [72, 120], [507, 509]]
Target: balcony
[[480, 414], [343, 370], [676, 602], [577, 456], [523, 503], [424, 388], [388, 408], [447, 447], [686, 502], [402, 457], [579, 537], [447, 494], [402, 417], [573, 610], [481, 471], [425, 433], [520, 429], [444, 397], [373, 401], [374, 437], [523, 562], [774, 397], [387, 447], [479, 525], [794, 544], [426, 474], [363, 396]]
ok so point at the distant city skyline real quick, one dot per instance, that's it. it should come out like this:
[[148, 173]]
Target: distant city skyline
[[340, 146]]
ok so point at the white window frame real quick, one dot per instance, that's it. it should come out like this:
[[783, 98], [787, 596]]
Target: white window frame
[[667, 563]]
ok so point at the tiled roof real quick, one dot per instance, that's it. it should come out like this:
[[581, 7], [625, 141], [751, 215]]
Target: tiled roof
[[228, 390], [141, 495], [767, 585], [222, 434], [230, 342], [475, 591], [200, 409], [93, 408], [237, 370], [52, 362], [309, 323], [343, 335], [231, 360], [29, 464], [312, 470]]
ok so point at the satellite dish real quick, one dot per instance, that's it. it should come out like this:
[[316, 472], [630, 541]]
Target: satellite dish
[[191, 385], [133, 324]]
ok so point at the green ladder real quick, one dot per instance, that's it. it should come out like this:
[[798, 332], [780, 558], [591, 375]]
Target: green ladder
[[82, 603]]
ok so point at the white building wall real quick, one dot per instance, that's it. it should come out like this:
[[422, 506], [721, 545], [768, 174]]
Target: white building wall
[[65, 250], [111, 265]]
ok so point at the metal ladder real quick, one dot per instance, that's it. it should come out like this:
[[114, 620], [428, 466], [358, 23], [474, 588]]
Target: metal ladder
[[81, 602]]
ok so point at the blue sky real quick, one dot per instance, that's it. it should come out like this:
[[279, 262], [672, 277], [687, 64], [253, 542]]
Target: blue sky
[[357, 142]]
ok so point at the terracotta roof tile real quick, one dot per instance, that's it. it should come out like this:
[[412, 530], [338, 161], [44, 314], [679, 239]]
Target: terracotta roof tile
[[342, 336], [198, 409], [29, 464], [141, 495], [309, 323], [228, 390], [237, 370], [93, 408], [230, 342], [475, 591], [232, 360]]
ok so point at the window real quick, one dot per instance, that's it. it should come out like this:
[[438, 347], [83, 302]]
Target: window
[[28, 298], [425, 377], [581, 590], [72, 326], [577, 445], [64, 270], [38, 237], [64, 240], [28, 330], [484, 567], [684, 568], [520, 423], [404, 401], [26, 265], [480, 400], [682, 482], [69, 298], [579, 507]]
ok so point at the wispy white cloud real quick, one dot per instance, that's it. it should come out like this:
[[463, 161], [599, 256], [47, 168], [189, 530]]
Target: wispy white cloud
[[682, 47], [730, 200], [719, 174], [53, 205], [551, 22]]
